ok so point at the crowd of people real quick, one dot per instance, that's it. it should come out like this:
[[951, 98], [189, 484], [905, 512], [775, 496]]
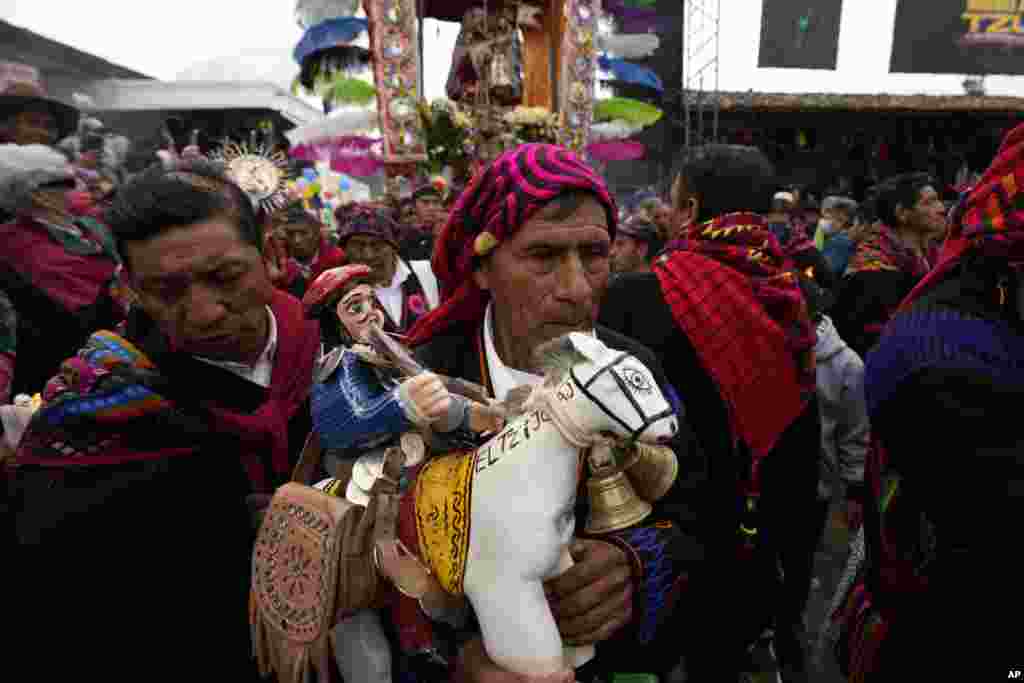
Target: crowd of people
[[169, 350]]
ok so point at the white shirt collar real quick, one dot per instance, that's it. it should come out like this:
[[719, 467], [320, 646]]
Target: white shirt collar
[[503, 378], [259, 372], [390, 296], [402, 274]]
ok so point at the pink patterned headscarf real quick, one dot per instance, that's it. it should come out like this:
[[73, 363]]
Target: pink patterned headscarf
[[496, 204]]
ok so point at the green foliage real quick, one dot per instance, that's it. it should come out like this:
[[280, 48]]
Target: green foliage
[[347, 91], [446, 130], [634, 111]]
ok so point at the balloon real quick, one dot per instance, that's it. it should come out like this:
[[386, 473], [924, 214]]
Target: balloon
[[309, 174], [345, 184]]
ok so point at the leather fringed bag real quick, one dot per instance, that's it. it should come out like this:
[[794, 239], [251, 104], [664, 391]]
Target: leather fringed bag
[[312, 566]]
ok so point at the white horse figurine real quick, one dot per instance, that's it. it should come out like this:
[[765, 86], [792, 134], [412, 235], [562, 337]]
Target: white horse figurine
[[521, 486]]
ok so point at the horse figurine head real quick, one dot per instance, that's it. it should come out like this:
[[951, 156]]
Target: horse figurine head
[[594, 392]]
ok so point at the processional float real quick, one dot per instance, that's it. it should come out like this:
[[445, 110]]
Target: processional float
[[521, 71]]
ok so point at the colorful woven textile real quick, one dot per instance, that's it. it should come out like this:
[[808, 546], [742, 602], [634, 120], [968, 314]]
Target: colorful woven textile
[[735, 295], [655, 551], [799, 241], [945, 338], [87, 406], [110, 405], [367, 219], [932, 332], [882, 251], [443, 496], [70, 264], [497, 203]]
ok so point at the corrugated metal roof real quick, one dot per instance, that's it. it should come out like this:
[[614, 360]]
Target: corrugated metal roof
[[755, 101], [146, 95]]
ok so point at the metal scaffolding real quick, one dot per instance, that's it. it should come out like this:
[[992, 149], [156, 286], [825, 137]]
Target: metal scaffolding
[[701, 23]]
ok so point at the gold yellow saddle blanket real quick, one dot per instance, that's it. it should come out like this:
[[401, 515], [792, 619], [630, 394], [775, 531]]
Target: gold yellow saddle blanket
[[440, 503], [433, 516]]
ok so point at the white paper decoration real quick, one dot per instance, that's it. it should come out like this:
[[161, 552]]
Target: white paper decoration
[[613, 130], [629, 46], [309, 13], [338, 124]]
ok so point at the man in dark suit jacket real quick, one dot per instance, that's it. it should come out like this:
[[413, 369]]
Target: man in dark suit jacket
[[138, 466], [516, 279]]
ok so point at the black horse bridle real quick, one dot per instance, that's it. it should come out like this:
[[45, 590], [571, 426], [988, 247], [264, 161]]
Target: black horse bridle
[[627, 387]]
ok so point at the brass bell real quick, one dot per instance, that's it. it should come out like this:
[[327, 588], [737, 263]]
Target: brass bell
[[652, 470], [614, 505]]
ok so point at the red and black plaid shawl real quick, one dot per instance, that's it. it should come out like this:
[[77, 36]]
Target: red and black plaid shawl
[[736, 296], [880, 250]]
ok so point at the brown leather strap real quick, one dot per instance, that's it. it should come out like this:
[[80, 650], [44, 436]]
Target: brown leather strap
[[309, 460], [343, 472], [405, 572], [387, 483], [386, 528]]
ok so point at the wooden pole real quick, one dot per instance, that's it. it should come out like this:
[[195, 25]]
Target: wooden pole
[[541, 50]]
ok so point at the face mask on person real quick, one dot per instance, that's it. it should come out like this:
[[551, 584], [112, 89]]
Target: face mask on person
[[827, 225]]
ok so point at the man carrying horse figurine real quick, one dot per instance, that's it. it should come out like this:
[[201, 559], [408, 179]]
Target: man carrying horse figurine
[[524, 259]]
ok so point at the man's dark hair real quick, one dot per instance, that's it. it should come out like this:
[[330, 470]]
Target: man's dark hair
[[294, 212], [899, 191], [867, 211], [654, 247], [819, 299], [158, 200], [646, 232], [728, 178], [7, 127]]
